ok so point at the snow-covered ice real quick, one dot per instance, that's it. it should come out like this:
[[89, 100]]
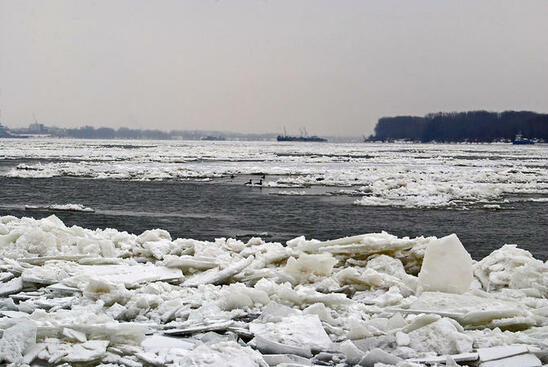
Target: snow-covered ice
[[74, 295]]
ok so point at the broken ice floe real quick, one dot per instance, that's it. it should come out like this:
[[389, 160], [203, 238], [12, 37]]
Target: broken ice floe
[[404, 175], [73, 296], [61, 208]]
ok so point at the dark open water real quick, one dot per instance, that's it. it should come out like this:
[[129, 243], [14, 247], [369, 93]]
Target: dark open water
[[208, 210]]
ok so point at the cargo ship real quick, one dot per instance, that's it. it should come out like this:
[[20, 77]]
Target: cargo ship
[[304, 137]]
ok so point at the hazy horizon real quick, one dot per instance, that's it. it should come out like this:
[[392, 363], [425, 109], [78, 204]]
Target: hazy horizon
[[255, 66]]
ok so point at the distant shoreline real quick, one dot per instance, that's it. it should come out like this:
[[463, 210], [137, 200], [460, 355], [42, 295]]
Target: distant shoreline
[[470, 127]]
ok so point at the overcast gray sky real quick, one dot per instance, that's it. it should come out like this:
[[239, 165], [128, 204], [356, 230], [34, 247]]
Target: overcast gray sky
[[333, 66]]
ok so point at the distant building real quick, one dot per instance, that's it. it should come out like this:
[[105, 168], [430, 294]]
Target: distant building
[[4, 133], [36, 128]]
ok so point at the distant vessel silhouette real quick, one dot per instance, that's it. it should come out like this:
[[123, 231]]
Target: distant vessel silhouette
[[520, 140], [304, 137], [213, 138]]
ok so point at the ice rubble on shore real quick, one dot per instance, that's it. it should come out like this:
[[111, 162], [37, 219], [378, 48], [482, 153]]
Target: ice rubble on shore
[[77, 296]]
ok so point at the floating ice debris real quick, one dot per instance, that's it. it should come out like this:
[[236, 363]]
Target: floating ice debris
[[404, 175], [61, 207], [72, 295]]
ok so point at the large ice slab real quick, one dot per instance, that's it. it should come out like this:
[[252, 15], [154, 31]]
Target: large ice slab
[[522, 360], [499, 352], [446, 267], [295, 331], [128, 275]]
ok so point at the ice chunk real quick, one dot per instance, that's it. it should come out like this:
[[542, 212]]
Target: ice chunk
[[396, 322], [512, 267], [61, 207], [153, 235], [470, 309], [155, 343], [442, 337], [370, 279], [488, 354], [4, 277], [221, 326], [129, 276], [108, 292], [277, 359], [446, 267], [238, 296], [402, 339], [322, 312], [379, 356], [363, 246], [116, 311], [295, 331], [11, 286], [229, 354], [158, 249], [275, 312], [32, 352], [86, 352], [216, 276], [461, 357], [268, 346], [186, 262], [16, 340], [307, 265], [522, 360], [71, 334], [352, 353]]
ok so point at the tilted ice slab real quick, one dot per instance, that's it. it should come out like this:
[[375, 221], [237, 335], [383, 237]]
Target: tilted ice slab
[[404, 175], [73, 295], [446, 267]]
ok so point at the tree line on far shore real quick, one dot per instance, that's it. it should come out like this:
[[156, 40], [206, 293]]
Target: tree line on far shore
[[471, 126], [90, 132]]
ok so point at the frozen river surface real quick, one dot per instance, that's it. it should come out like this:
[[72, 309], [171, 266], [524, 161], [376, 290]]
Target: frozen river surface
[[396, 175], [292, 272], [490, 194]]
